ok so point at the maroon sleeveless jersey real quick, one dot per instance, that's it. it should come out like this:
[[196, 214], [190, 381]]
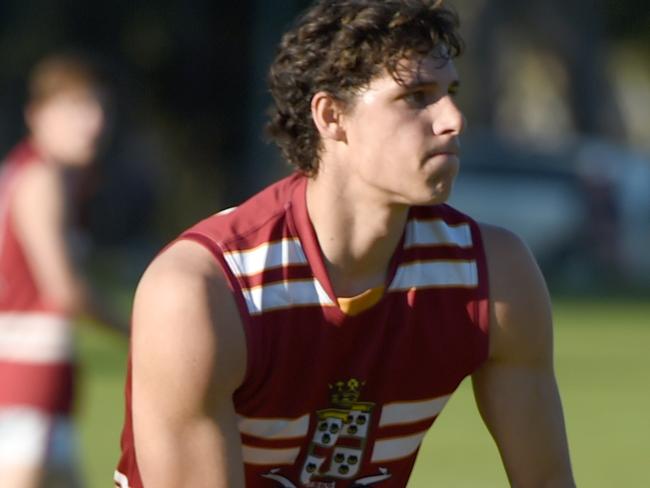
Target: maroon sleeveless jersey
[[36, 367], [333, 400]]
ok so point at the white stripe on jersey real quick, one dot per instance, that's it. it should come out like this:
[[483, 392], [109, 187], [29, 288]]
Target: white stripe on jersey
[[226, 211], [24, 436], [121, 480], [396, 447], [285, 294], [265, 256], [35, 337], [437, 233], [430, 274], [266, 456], [277, 428], [306, 292], [409, 412]]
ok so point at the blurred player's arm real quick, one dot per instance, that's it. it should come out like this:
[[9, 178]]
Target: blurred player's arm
[[188, 357], [39, 213], [515, 389]]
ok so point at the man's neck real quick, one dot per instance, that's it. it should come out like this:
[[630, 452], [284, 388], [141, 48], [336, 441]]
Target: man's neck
[[357, 235]]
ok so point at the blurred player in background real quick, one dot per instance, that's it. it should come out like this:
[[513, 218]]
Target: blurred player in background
[[41, 289], [312, 335]]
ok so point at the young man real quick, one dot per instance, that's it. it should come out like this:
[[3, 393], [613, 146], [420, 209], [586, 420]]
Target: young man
[[311, 336], [40, 289]]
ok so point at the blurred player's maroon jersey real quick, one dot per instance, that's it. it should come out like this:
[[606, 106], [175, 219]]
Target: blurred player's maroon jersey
[[35, 338], [341, 397]]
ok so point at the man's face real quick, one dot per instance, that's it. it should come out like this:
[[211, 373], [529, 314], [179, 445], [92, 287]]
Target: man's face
[[67, 126], [402, 138]]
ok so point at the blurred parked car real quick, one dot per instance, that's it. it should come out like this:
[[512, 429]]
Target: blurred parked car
[[584, 211]]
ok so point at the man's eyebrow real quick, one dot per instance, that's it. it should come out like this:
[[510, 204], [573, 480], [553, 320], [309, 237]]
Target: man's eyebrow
[[415, 84]]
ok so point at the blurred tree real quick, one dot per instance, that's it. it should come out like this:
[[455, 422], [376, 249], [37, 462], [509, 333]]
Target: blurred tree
[[628, 20], [572, 31]]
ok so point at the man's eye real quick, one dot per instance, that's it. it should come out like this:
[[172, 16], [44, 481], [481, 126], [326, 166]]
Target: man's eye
[[418, 98]]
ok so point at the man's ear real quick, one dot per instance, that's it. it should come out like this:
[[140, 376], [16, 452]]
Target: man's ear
[[327, 113]]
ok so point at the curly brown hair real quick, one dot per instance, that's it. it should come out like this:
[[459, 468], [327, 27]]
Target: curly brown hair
[[339, 46]]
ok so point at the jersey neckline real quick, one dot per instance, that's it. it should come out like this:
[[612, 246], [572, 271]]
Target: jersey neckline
[[304, 230]]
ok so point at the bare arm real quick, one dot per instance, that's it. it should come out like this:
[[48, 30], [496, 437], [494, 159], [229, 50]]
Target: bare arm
[[39, 212], [39, 216], [516, 390], [188, 353]]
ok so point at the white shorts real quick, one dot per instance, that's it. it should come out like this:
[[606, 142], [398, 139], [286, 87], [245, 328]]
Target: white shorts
[[31, 437]]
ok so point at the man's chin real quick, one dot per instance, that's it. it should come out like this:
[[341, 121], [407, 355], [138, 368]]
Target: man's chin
[[439, 195], [80, 158]]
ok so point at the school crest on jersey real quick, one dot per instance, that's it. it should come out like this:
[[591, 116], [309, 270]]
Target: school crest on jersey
[[339, 441]]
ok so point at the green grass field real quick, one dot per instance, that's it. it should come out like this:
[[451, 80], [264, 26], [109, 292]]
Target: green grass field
[[603, 368]]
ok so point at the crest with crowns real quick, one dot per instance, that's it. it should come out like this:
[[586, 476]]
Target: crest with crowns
[[346, 393], [341, 434]]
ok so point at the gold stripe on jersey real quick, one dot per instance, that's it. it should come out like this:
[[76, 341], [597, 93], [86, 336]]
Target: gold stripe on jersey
[[309, 292], [355, 305]]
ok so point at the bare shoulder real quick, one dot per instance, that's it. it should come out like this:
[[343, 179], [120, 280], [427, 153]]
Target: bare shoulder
[[39, 182], [186, 261], [520, 305], [38, 207], [184, 312], [503, 247]]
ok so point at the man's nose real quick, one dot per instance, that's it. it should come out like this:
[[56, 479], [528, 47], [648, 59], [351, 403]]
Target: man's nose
[[448, 118]]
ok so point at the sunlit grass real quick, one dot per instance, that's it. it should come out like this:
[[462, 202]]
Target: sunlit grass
[[603, 369]]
